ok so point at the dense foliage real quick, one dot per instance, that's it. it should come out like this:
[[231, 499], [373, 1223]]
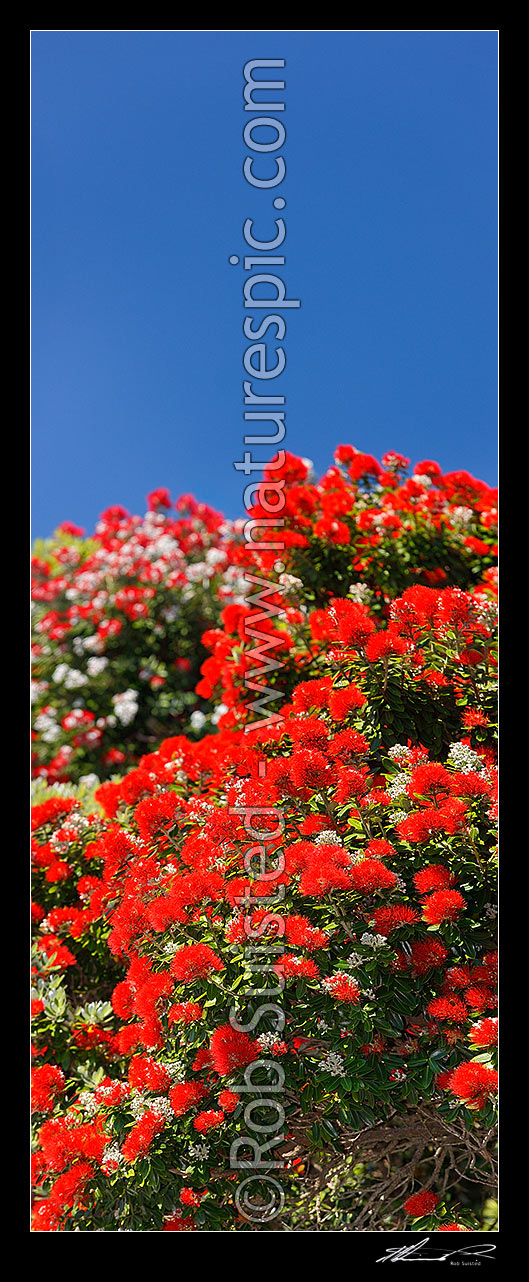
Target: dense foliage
[[284, 940]]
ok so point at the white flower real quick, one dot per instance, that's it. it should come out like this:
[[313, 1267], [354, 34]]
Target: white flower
[[464, 758], [60, 672], [140, 1104], [126, 706], [198, 720], [399, 750], [220, 709], [198, 571], [89, 1104], [461, 515], [397, 787], [47, 727], [290, 581], [174, 1067], [216, 556], [486, 610], [93, 643], [90, 781], [267, 1041], [96, 665], [112, 1156], [164, 547], [37, 688], [328, 837], [360, 592], [199, 1151], [333, 1064]]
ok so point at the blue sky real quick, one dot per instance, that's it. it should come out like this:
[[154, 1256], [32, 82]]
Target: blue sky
[[138, 201]]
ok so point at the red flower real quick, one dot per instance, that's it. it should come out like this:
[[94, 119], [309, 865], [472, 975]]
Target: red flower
[[424, 824], [458, 977], [447, 1008], [188, 1197], [296, 967], [343, 700], [474, 1083], [474, 717], [47, 1082], [185, 1013], [186, 1095], [298, 930], [353, 783], [202, 1060], [384, 644], [372, 875], [310, 732], [140, 1138], [425, 954], [386, 920], [205, 1122], [327, 869], [378, 848], [332, 531], [195, 961], [158, 498], [443, 905], [485, 1033], [433, 877], [231, 1049], [363, 465], [228, 1101], [343, 988], [344, 621], [309, 768], [146, 1074], [430, 780], [178, 1223], [313, 694], [348, 743], [419, 1204], [479, 998]]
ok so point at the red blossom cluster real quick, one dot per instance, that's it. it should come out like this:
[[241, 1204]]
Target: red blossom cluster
[[374, 923]]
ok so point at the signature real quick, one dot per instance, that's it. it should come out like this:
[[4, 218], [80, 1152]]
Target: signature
[[416, 1252]]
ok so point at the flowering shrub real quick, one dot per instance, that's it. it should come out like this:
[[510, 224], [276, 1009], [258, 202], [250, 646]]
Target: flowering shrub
[[118, 619], [280, 947], [364, 533]]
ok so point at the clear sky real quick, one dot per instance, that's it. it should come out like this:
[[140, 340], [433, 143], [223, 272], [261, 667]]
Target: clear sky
[[138, 201]]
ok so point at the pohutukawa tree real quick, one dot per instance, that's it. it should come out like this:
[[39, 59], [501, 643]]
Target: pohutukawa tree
[[117, 626], [267, 960]]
